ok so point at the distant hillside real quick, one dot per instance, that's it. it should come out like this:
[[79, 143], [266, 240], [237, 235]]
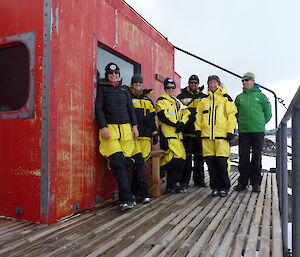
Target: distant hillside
[[273, 132]]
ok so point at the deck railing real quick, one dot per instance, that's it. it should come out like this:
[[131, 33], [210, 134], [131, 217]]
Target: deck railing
[[293, 114]]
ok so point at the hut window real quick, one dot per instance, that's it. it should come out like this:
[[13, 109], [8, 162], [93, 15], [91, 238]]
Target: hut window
[[127, 67], [14, 77]]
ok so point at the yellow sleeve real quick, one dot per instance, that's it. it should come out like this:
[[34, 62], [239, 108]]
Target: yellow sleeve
[[184, 115], [231, 111], [165, 112], [199, 115]]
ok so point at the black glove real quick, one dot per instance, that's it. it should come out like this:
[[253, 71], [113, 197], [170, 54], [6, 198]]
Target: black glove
[[155, 139], [230, 136], [179, 127], [198, 133]]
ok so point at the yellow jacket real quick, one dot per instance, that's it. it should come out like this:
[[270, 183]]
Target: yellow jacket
[[216, 115], [170, 111]]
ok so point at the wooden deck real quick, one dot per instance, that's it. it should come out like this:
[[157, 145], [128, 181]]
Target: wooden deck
[[190, 224]]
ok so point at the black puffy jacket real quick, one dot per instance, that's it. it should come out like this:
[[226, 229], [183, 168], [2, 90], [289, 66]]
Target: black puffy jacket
[[114, 105]]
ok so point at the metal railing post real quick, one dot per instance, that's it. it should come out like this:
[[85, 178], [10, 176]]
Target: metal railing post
[[278, 166], [284, 184], [296, 181]]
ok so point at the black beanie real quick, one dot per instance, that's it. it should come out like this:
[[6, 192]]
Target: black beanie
[[112, 67], [137, 78], [194, 77], [169, 81]]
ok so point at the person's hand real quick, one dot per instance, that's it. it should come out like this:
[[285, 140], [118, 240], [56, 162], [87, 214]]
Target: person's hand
[[155, 139], [105, 133], [135, 131], [198, 134], [179, 127], [230, 136]]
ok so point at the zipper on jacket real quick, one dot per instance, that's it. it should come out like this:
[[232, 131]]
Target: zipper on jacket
[[119, 131], [209, 117], [215, 115], [212, 117]]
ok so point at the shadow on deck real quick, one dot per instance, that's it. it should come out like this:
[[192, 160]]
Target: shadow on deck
[[190, 224]]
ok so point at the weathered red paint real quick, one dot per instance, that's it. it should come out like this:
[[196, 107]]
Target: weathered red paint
[[77, 173]]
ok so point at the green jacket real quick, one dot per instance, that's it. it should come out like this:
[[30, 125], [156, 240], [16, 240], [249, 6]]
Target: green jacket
[[254, 111]]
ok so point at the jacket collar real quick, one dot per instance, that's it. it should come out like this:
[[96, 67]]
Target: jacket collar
[[250, 90], [189, 91], [145, 92]]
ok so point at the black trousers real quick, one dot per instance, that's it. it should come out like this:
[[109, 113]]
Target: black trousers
[[174, 171], [250, 169], [218, 174], [139, 183], [193, 147], [119, 166]]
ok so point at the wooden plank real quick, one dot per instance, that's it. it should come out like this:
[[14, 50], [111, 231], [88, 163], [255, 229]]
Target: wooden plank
[[224, 248], [241, 237], [220, 210], [190, 224], [172, 209], [201, 222], [276, 247], [47, 233], [216, 246], [265, 240], [251, 246], [126, 223]]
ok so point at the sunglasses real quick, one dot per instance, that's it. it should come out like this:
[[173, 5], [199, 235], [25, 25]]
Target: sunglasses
[[246, 80], [113, 72], [193, 83], [170, 87]]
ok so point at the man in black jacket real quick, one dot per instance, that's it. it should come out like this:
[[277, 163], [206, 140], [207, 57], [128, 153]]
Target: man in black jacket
[[191, 96], [116, 117]]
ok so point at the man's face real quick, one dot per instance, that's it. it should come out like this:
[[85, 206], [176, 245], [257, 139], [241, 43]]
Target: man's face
[[248, 83], [193, 85], [137, 88], [213, 85], [170, 89], [113, 76]]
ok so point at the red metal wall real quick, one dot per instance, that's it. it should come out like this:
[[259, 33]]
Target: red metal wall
[[76, 172], [20, 146]]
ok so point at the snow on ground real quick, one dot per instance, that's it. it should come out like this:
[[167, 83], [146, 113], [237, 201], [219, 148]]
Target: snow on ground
[[235, 149], [267, 161]]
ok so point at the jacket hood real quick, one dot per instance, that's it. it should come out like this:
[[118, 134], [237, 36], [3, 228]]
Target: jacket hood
[[145, 91], [219, 91]]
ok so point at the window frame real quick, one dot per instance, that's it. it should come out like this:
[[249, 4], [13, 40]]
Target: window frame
[[27, 39], [136, 66]]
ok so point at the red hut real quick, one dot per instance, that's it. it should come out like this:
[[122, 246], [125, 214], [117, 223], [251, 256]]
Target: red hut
[[50, 50]]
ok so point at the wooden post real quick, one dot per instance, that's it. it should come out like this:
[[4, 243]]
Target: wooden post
[[155, 189]]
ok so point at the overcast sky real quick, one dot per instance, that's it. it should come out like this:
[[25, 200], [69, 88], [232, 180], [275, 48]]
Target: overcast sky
[[259, 36]]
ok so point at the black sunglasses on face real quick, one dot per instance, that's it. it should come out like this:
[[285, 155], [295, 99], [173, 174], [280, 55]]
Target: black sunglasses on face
[[246, 80], [113, 72], [192, 82], [170, 87]]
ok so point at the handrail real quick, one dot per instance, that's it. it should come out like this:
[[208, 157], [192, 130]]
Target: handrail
[[236, 75], [294, 102], [293, 112]]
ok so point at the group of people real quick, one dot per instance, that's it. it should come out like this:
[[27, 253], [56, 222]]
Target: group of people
[[192, 127]]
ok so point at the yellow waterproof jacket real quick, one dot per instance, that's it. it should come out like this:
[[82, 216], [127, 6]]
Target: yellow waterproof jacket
[[170, 111], [216, 115]]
